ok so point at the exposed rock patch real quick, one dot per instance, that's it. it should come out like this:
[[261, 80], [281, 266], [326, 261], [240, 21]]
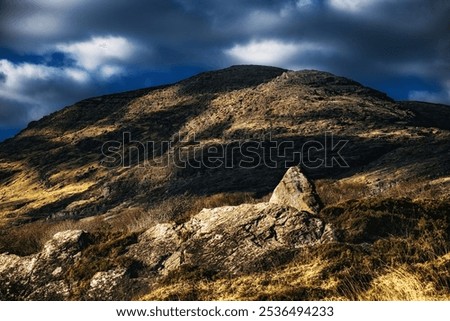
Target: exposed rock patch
[[231, 239], [41, 276], [108, 285]]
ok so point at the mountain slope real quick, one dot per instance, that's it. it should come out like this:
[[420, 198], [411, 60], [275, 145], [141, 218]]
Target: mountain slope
[[124, 171], [58, 160]]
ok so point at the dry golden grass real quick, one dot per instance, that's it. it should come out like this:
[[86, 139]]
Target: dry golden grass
[[312, 281], [288, 283], [400, 284], [332, 192], [27, 191], [358, 187], [410, 261]]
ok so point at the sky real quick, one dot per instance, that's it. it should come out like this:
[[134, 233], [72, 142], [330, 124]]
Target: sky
[[54, 53]]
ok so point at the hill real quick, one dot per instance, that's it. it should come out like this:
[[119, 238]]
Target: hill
[[122, 167]]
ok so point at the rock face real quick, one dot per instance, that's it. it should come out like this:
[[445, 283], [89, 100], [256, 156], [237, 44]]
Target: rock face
[[225, 240], [108, 285], [297, 191], [42, 276], [231, 239], [244, 238]]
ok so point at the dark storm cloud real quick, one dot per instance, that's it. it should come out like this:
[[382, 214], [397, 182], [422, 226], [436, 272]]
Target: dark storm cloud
[[195, 32], [380, 31], [31, 91], [368, 40], [12, 113]]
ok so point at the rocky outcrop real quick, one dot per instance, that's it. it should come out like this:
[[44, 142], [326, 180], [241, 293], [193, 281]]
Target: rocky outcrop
[[297, 191], [227, 240], [109, 285], [237, 239], [231, 239], [42, 276]]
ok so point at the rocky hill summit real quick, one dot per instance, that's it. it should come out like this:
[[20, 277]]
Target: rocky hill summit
[[194, 191]]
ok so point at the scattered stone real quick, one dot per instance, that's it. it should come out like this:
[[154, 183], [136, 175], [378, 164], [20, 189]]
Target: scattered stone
[[42, 276], [105, 285], [297, 191]]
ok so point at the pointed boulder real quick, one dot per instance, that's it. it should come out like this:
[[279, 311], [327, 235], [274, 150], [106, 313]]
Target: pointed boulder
[[297, 191]]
